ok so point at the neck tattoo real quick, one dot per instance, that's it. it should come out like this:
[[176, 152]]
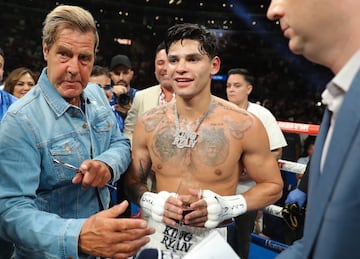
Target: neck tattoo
[[188, 138]]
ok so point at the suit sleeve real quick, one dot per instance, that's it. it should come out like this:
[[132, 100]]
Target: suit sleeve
[[131, 118]]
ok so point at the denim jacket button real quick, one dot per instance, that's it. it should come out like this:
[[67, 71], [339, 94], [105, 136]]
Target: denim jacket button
[[84, 126]]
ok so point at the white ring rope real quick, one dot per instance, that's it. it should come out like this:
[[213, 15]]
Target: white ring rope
[[289, 166], [273, 210]]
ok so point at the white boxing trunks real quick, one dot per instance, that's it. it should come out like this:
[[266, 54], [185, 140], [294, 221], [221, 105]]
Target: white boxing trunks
[[176, 241]]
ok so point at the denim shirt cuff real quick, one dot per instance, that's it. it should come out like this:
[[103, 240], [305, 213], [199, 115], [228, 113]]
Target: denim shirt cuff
[[71, 238]]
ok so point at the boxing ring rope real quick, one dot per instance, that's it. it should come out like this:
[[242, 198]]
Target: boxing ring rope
[[291, 167], [300, 128], [288, 166], [268, 243]]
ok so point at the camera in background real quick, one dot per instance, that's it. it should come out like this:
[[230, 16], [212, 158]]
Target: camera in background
[[122, 99]]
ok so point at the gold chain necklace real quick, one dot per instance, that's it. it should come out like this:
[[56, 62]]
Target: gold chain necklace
[[188, 138]]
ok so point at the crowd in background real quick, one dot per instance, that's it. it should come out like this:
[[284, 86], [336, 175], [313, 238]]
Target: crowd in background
[[280, 75]]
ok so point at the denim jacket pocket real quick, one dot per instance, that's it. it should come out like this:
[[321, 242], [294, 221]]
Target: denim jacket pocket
[[101, 126], [103, 122], [67, 150]]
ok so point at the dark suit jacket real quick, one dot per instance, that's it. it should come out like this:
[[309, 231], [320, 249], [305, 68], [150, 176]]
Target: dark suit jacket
[[332, 223], [304, 182]]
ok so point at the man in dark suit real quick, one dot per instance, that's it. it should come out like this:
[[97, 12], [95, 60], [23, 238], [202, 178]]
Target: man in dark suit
[[327, 32]]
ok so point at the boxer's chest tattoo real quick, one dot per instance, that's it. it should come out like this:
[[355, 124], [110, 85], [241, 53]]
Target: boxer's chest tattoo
[[187, 137], [162, 145], [212, 148]]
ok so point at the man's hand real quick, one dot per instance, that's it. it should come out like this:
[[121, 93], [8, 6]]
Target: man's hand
[[296, 196], [105, 235], [194, 208], [92, 173], [119, 89], [123, 109], [162, 206]]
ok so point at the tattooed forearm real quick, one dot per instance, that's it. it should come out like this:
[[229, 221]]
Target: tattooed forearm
[[135, 188], [143, 174]]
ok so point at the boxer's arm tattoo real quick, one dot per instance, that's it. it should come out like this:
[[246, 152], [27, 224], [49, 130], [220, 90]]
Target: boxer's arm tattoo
[[143, 174], [136, 189]]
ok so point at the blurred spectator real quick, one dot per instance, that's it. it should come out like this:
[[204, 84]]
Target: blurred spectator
[[308, 148], [293, 149], [283, 78], [239, 86], [20, 81], [121, 73], [2, 64], [153, 96], [101, 77], [6, 100]]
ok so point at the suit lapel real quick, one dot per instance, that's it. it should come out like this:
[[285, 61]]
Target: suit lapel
[[322, 186]]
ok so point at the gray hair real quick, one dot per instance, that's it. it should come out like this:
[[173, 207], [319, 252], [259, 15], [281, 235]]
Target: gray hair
[[68, 16]]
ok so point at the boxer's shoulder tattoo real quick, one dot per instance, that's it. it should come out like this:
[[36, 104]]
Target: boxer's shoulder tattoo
[[151, 119], [238, 128], [236, 120]]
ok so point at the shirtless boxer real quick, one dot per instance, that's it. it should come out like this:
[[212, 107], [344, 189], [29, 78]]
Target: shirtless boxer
[[198, 139]]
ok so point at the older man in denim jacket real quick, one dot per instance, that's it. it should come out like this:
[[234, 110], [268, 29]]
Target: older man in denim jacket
[[48, 210]]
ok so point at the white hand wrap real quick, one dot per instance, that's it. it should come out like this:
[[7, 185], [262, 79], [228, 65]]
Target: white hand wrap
[[154, 203], [221, 208]]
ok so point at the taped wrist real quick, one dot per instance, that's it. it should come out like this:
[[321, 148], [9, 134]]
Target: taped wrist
[[154, 204], [221, 208]]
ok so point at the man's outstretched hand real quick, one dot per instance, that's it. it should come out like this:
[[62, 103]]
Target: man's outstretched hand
[[106, 235]]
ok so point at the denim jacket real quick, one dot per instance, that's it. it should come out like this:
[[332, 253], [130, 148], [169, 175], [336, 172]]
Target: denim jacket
[[41, 210]]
